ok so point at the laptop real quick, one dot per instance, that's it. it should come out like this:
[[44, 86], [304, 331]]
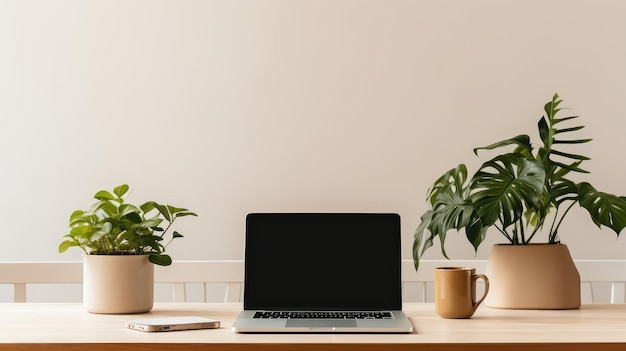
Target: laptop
[[322, 272]]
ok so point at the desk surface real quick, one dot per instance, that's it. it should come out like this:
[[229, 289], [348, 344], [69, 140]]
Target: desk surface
[[58, 326]]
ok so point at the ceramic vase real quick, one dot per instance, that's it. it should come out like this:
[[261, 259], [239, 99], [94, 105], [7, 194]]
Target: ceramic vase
[[118, 284], [535, 276]]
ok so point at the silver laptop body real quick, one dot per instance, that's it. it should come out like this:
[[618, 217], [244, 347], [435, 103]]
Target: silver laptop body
[[322, 272]]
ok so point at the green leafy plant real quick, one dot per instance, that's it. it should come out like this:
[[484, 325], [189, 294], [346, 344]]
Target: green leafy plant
[[518, 192], [113, 227]]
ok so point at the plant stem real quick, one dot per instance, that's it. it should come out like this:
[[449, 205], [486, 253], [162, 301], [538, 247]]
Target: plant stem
[[533, 233], [169, 224], [552, 234], [166, 229], [509, 238], [554, 230]]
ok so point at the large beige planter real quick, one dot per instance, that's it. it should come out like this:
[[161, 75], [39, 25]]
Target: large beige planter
[[118, 284], [536, 276]]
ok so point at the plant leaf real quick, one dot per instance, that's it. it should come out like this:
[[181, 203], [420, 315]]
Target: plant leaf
[[450, 210], [475, 232], [570, 168], [567, 130], [104, 195], [132, 217], [160, 259], [107, 207], [173, 209], [126, 209], [522, 141], [66, 244], [576, 141], [185, 214], [504, 186], [148, 223], [545, 132], [568, 155], [76, 214], [456, 178], [418, 238], [605, 209], [163, 210], [147, 207], [120, 190], [563, 190]]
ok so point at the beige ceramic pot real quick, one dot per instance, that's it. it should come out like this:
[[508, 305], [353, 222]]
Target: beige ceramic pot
[[535, 276], [118, 284]]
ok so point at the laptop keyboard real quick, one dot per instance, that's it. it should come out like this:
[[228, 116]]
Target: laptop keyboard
[[323, 315]]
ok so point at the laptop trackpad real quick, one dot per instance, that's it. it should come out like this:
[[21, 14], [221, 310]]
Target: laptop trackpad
[[321, 323]]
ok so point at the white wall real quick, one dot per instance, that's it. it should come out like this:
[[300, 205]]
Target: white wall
[[228, 107]]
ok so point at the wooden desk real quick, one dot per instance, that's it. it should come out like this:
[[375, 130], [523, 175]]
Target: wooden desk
[[32, 326]]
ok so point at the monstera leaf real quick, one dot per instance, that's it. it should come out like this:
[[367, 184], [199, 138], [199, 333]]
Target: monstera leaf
[[505, 186], [450, 210], [605, 209]]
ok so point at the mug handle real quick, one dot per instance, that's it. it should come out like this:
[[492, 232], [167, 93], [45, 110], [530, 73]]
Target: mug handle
[[475, 277]]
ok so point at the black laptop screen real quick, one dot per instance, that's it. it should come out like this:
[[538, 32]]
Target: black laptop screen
[[329, 261]]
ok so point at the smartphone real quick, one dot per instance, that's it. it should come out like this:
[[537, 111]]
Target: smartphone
[[172, 324]]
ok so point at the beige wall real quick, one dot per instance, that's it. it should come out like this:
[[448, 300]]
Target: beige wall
[[229, 107]]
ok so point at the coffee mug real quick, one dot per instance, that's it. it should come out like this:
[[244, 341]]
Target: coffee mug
[[455, 291]]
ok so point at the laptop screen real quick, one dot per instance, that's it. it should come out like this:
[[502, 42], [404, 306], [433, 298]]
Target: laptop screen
[[322, 261]]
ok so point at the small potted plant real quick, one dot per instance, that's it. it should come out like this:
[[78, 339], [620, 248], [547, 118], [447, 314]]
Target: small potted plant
[[121, 242], [519, 194]]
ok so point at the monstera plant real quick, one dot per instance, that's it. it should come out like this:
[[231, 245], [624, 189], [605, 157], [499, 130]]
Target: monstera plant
[[520, 193]]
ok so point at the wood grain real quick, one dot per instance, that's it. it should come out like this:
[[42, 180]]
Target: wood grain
[[49, 326]]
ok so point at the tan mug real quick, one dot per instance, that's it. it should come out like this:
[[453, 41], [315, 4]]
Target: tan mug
[[455, 291]]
